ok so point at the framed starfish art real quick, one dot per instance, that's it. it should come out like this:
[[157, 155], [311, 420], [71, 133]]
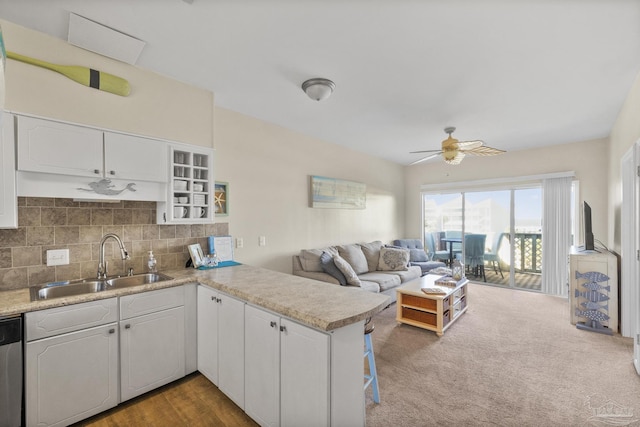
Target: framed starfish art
[[221, 198]]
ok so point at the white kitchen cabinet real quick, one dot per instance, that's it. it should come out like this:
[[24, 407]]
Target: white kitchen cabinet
[[262, 366], [207, 342], [152, 340], [47, 146], [191, 186], [71, 366], [304, 376], [134, 157], [221, 342], [286, 371], [8, 195]]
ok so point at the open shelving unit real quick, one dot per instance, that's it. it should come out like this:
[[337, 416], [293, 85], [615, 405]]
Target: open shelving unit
[[190, 187]]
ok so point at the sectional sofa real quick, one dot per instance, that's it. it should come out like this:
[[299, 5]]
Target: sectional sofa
[[373, 267]]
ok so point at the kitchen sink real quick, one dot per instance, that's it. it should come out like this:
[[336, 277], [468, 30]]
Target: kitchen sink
[[88, 286], [137, 279]]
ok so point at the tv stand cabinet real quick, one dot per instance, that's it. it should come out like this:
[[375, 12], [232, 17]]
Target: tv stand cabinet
[[583, 261]]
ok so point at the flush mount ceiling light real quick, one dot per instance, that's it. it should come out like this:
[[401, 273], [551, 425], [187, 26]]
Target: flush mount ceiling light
[[318, 89]]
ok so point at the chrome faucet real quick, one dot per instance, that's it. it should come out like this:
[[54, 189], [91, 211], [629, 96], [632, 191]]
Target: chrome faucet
[[102, 264]]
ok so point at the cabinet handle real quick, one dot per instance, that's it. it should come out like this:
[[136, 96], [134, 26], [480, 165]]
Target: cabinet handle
[[112, 172], [273, 324], [112, 331], [214, 299], [127, 326], [283, 329], [96, 171]]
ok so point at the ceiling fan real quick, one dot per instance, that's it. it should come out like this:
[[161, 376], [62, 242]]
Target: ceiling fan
[[453, 151]]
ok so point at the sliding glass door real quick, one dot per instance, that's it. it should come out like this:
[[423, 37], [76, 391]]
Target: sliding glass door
[[509, 221]]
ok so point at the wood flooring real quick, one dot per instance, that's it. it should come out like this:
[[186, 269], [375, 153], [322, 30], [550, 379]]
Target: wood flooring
[[191, 401]]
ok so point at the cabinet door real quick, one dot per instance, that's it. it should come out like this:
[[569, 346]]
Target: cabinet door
[[8, 196], [208, 333], [151, 351], [304, 376], [46, 146], [231, 348], [72, 376], [135, 158], [262, 366]]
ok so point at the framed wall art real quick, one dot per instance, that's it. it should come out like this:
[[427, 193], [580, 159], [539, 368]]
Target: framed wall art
[[221, 198], [337, 193]]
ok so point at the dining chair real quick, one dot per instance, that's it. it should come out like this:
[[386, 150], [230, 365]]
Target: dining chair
[[474, 253], [493, 257], [436, 255]]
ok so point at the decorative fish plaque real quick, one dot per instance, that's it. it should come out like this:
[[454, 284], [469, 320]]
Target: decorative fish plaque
[[105, 187]]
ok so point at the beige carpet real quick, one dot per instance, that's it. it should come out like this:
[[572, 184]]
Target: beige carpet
[[513, 359]]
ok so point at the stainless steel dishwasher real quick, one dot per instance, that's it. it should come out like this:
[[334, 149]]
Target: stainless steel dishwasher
[[11, 396]]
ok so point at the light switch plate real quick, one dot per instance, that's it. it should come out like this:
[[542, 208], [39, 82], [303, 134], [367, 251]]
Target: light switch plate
[[57, 257]]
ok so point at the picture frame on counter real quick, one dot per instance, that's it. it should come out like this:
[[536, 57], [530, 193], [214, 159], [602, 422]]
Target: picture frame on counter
[[197, 256], [221, 198]]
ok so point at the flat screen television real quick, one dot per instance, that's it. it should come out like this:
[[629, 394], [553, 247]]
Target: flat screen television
[[588, 231]]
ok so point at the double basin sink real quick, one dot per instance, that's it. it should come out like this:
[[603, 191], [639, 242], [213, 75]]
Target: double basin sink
[[89, 286]]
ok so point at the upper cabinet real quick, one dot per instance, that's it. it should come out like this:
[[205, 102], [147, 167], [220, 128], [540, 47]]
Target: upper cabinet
[[8, 202], [51, 147], [190, 187]]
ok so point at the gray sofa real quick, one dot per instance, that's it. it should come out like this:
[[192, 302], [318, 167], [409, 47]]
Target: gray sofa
[[376, 267]]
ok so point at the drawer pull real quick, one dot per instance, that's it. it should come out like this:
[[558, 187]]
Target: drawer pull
[[112, 331], [127, 326]]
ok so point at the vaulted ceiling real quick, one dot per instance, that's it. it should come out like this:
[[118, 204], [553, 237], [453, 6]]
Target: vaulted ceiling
[[516, 74]]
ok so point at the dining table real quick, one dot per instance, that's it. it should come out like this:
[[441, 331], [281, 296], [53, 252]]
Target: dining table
[[450, 241]]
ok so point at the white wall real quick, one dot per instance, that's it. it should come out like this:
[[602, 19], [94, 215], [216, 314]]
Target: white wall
[[624, 134], [157, 106], [268, 169], [587, 159]]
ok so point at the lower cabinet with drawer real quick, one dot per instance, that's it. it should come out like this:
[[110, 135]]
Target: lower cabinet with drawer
[[152, 340], [83, 359], [71, 362]]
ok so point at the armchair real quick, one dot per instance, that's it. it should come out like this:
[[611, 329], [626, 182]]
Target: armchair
[[417, 254]]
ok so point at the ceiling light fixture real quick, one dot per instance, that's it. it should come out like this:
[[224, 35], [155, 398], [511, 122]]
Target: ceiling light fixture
[[318, 89]]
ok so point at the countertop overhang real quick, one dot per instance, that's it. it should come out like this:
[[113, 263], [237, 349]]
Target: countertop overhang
[[317, 304]]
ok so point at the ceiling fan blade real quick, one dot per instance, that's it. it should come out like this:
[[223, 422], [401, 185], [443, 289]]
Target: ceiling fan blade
[[484, 151], [424, 159], [425, 151], [469, 145], [457, 159]]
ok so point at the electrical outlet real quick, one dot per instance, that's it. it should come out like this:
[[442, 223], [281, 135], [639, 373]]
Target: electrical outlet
[[57, 257], [262, 241], [239, 242]]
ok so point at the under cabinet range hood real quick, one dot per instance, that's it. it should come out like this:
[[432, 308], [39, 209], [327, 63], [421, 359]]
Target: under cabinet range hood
[[36, 184]]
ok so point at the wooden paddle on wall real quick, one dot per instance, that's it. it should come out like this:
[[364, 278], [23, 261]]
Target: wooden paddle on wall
[[83, 75]]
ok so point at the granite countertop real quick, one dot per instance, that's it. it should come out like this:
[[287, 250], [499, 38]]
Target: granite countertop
[[319, 305]]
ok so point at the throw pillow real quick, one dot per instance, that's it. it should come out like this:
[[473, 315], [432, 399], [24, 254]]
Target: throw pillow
[[418, 255], [329, 267], [371, 252], [310, 258], [393, 259], [347, 270], [355, 257]]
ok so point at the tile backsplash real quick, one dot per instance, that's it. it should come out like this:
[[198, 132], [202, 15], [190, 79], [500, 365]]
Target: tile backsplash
[[49, 223]]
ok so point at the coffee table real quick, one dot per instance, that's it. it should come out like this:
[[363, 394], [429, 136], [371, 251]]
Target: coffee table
[[435, 312]]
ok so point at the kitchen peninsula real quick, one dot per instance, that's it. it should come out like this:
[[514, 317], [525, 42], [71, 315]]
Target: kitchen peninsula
[[298, 307]]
